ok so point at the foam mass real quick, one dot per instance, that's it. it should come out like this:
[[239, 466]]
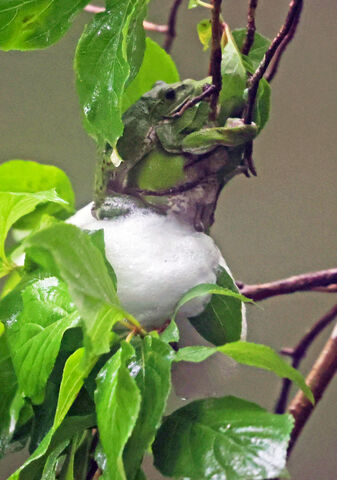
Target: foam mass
[[157, 259]]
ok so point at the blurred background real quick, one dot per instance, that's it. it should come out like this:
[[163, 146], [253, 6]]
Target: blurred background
[[279, 224]]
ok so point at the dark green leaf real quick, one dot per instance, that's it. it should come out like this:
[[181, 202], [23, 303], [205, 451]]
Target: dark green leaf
[[157, 65], [35, 335], [258, 49], [264, 357], [103, 69], [234, 79], [28, 25], [152, 369], [221, 321], [223, 438], [117, 401], [83, 267]]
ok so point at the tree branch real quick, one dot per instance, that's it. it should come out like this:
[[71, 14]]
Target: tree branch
[[298, 353], [304, 282], [318, 380], [250, 27], [151, 27], [208, 90], [171, 24], [216, 56], [254, 81], [285, 42]]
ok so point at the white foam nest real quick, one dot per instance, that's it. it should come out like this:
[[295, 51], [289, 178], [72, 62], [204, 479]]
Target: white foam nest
[[156, 259]]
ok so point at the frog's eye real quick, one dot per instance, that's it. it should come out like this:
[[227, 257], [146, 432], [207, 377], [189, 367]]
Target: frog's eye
[[170, 94]]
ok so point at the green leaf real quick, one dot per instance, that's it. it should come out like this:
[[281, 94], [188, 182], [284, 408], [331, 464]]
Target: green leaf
[[264, 357], [224, 438], [251, 354], [262, 105], [221, 321], [28, 25], [171, 333], [152, 368], [157, 65], [35, 335], [23, 176], [82, 266], [204, 29], [117, 401], [103, 69], [193, 4], [258, 49], [234, 79], [13, 206]]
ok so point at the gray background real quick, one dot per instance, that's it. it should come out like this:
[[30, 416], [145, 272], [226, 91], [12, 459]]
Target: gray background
[[279, 224]]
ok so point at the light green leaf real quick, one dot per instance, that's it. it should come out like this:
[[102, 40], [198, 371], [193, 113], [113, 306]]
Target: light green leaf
[[258, 49], [157, 65], [204, 29], [103, 69], [195, 354], [152, 370], [224, 438], [193, 4], [28, 25], [171, 333], [262, 105], [14, 206], [221, 321], [117, 401], [82, 265], [35, 335], [265, 357], [23, 176], [234, 79]]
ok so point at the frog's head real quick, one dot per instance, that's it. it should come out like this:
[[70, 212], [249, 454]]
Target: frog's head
[[171, 97]]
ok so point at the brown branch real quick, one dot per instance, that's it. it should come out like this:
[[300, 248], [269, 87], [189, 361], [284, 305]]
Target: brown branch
[[208, 90], [216, 56], [254, 80], [285, 42], [172, 22], [304, 282], [151, 27], [250, 27], [298, 353], [318, 379]]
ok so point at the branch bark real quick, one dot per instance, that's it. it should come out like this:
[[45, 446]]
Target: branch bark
[[171, 25], [318, 380], [250, 27], [216, 56], [298, 353], [298, 283]]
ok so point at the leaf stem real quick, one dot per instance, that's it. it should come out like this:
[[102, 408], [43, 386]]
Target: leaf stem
[[151, 27]]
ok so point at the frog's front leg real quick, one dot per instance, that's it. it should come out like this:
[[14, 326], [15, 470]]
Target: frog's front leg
[[233, 134]]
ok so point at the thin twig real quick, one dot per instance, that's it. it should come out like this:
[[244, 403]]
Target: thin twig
[[318, 379], [97, 474], [172, 22], [304, 282], [208, 90], [285, 42], [216, 56], [250, 27], [298, 353], [254, 80], [151, 27]]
